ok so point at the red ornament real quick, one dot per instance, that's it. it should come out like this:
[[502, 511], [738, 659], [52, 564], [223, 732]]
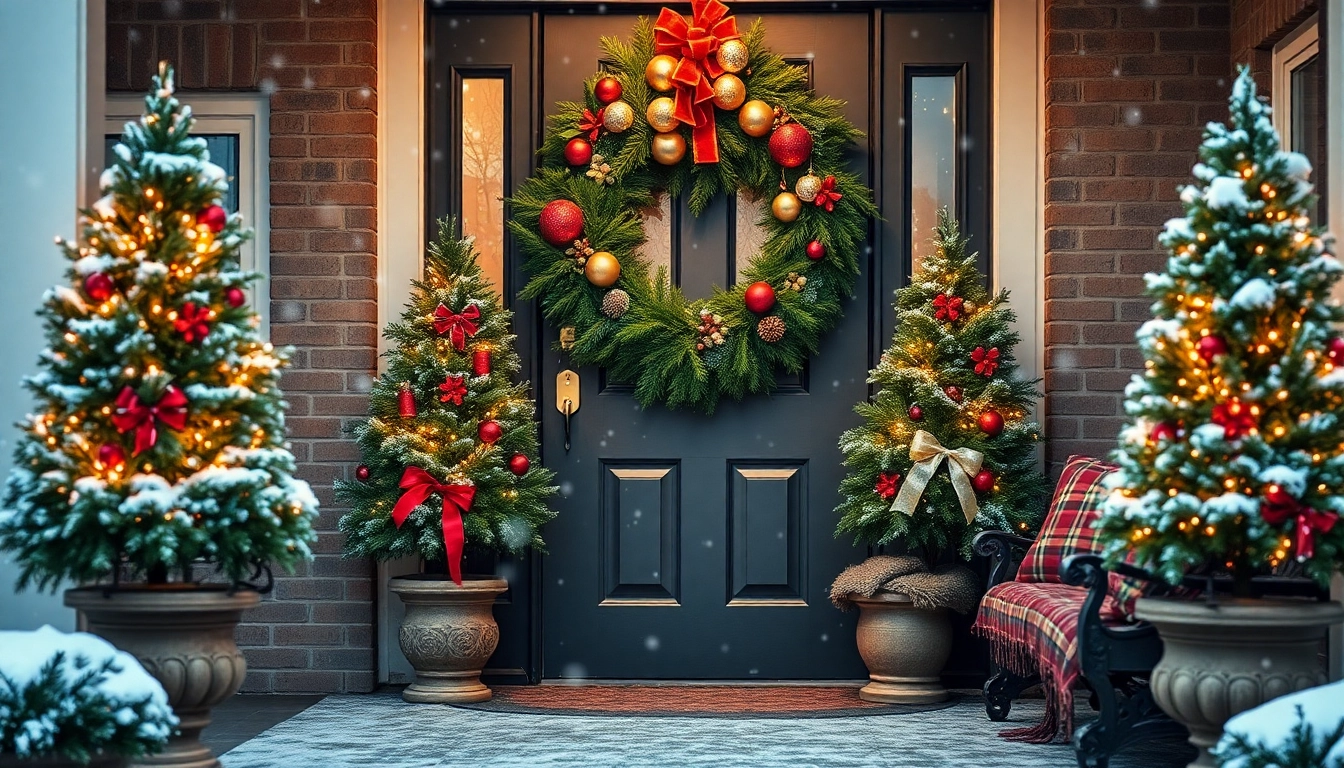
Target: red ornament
[[362, 473], [561, 222], [815, 250], [947, 307], [983, 482], [953, 392], [1234, 417], [213, 217], [480, 362], [1164, 431], [607, 90], [578, 151], [1335, 350], [489, 432], [111, 456], [790, 145], [985, 360], [235, 297], [916, 413], [453, 389], [406, 401], [99, 286], [519, 464], [991, 423], [827, 197], [1210, 347], [759, 297], [192, 322], [887, 485]]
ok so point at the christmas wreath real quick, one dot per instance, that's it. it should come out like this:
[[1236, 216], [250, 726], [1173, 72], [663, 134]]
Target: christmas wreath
[[691, 106]]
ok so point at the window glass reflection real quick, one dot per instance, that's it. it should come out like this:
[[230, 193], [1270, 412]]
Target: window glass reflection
[[482, 165], [933, 158]]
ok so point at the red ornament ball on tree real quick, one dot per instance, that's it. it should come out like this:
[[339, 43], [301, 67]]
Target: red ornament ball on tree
[[953, 392], [1336, 350], [99, 286], [607, 90], [111, 455], [561, 222], [790, 145], [759, 297], [983, 482], [1164, 431], [519, 464], [362, 473], [815, 250], [235, 297], [490, 432], [1210, 347], [578, 151], [916, 413], [991, 423], [213, 217]]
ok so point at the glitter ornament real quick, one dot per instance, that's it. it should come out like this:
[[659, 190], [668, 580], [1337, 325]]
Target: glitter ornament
[[729, 92], [807, 187], [659, 114], [615, 303], [790, 145], [732, 55], [618, 117], [561, 222], [915, 413], [953, 392], [480, 362], [406, 401]]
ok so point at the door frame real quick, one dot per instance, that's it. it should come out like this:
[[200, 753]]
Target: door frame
[[1017, 130]]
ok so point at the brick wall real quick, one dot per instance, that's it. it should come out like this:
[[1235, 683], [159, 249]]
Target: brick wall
[[1257, 25], [1128, 87], [316, 59]]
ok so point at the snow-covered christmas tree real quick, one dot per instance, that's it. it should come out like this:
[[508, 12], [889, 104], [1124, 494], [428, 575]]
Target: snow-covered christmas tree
[[158, 439], [1232, 459]]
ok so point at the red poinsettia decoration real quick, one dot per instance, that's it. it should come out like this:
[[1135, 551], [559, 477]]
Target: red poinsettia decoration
[[887, 484], [986, 360], [192, 322], [1234, 417], [947, 307], [1278, 507], [828, 197], [454, 389], [592, 123]]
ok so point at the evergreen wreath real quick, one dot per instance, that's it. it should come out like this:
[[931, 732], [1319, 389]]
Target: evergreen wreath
[[752, 127]]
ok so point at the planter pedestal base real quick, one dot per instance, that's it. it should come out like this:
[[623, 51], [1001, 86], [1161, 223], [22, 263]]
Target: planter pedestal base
[[448, 634], [904, 648]]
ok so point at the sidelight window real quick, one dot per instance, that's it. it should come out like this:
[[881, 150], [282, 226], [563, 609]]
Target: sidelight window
[[1298, 97], [933, 142], [482, 170]]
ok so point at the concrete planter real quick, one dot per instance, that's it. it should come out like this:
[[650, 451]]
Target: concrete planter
[[448, 634], [1227, 658], [904, 648], [183, 636]]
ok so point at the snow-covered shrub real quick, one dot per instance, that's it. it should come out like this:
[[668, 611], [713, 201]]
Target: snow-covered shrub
[[74, 696], [1300, 730]]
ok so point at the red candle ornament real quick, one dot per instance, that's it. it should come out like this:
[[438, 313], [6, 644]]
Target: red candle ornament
[[578, 151], [111, 456], [490, 432], [983, 482], [759, 297], [815, 250], [607, 90], [991, 423], [362, 473], [480, 362], [519, 464], [213, 217], [406, 401], [99, 286], [235, 297]]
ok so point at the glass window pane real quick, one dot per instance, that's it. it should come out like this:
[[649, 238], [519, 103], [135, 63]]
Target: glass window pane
[[223, 148], [933, 157], [1309, 123], [482, 165]]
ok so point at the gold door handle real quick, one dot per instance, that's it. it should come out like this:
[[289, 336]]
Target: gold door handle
[[567, 398]]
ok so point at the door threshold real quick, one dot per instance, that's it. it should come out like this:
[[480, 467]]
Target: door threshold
[[717, 683]]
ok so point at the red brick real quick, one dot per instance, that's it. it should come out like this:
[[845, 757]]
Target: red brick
[[1079, 164], [1065, 115], [1118, 89], [284, 31], [305, 101], [358, 359], [305, 288], [1120, 286], [218, 45], [1078, 215], [305, 335], [1172, 166], [339, 241], [1118, 140], [1065, 404], [1057, 309], [353, 75], [1080, 18], [307, 681], [1079, 66], [324, 217], [1156, 65], [345, 146], [1156, 16], [267, 9], [1150, 214], [1121, 41], [1118, 239], [343, 122]]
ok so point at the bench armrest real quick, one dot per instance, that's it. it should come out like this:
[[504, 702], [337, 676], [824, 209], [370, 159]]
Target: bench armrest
[[998, 547]]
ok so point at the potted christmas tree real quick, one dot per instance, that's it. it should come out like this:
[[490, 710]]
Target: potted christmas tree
[[948, 396], [157, 448], [1231, 464], [447, 465]]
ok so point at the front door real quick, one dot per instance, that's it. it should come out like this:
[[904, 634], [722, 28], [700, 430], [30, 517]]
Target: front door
[[701, 547]]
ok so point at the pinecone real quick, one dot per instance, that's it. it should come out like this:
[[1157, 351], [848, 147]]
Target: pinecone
[[770, 329], [615, 303]]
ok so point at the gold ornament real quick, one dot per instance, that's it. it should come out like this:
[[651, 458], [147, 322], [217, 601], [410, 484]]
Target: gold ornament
[[618, 117], [786, 207], [756, 118], [807, 187], [659, 72], [668, 148], [660, 116], [729, 92], [602, 269], [732, 56]]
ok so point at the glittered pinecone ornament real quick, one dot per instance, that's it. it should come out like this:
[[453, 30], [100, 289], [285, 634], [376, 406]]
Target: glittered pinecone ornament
[[712, 331], [615, 303], [600, 171], [807, 187], [794, 282], [770, 329], [580, 252]]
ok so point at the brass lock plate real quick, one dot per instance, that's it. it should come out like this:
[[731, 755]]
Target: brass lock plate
[[567, 389]]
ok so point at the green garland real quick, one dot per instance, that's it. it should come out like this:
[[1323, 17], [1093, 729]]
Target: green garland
[[653, 343]]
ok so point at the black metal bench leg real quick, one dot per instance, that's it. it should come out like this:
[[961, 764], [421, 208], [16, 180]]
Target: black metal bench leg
[[1001, 689]]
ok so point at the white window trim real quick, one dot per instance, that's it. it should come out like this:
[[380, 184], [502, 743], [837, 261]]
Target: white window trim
[[1290, 53], [248, 116]]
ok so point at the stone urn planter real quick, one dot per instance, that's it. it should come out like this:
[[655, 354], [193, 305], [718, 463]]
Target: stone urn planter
[[904, 648], [448, 634], [183, 636], [1222, 659]]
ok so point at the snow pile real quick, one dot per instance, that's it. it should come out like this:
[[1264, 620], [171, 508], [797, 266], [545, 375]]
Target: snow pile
[[1227, 192], [1304, 725], [75, 695]]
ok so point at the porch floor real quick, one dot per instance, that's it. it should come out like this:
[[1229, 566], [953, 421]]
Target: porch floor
[[358, 731]]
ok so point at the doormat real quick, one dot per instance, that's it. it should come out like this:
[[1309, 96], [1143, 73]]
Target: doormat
[[726, 701]]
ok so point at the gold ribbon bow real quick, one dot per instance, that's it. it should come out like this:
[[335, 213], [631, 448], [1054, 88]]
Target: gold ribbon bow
[[928, 453]]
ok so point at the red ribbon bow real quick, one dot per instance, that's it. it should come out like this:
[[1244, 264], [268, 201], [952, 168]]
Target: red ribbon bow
[[887, 484], [985, 360], [130, 413], [695, 40], [827, 197], [592, 123], [1234, 417], [453, 389], [948, 308], [1309, 522], [460, 325], [192, 322], [419, 485]]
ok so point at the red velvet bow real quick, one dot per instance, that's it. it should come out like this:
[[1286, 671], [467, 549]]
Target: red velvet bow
[[985, 360], [192, 322], [453, 389], [130, 413], [887, 484], [457, 497], [1234, 417], [828, 197], [1309, 522], [948, 308], [592, 123], [695, 40], [460, 325]]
